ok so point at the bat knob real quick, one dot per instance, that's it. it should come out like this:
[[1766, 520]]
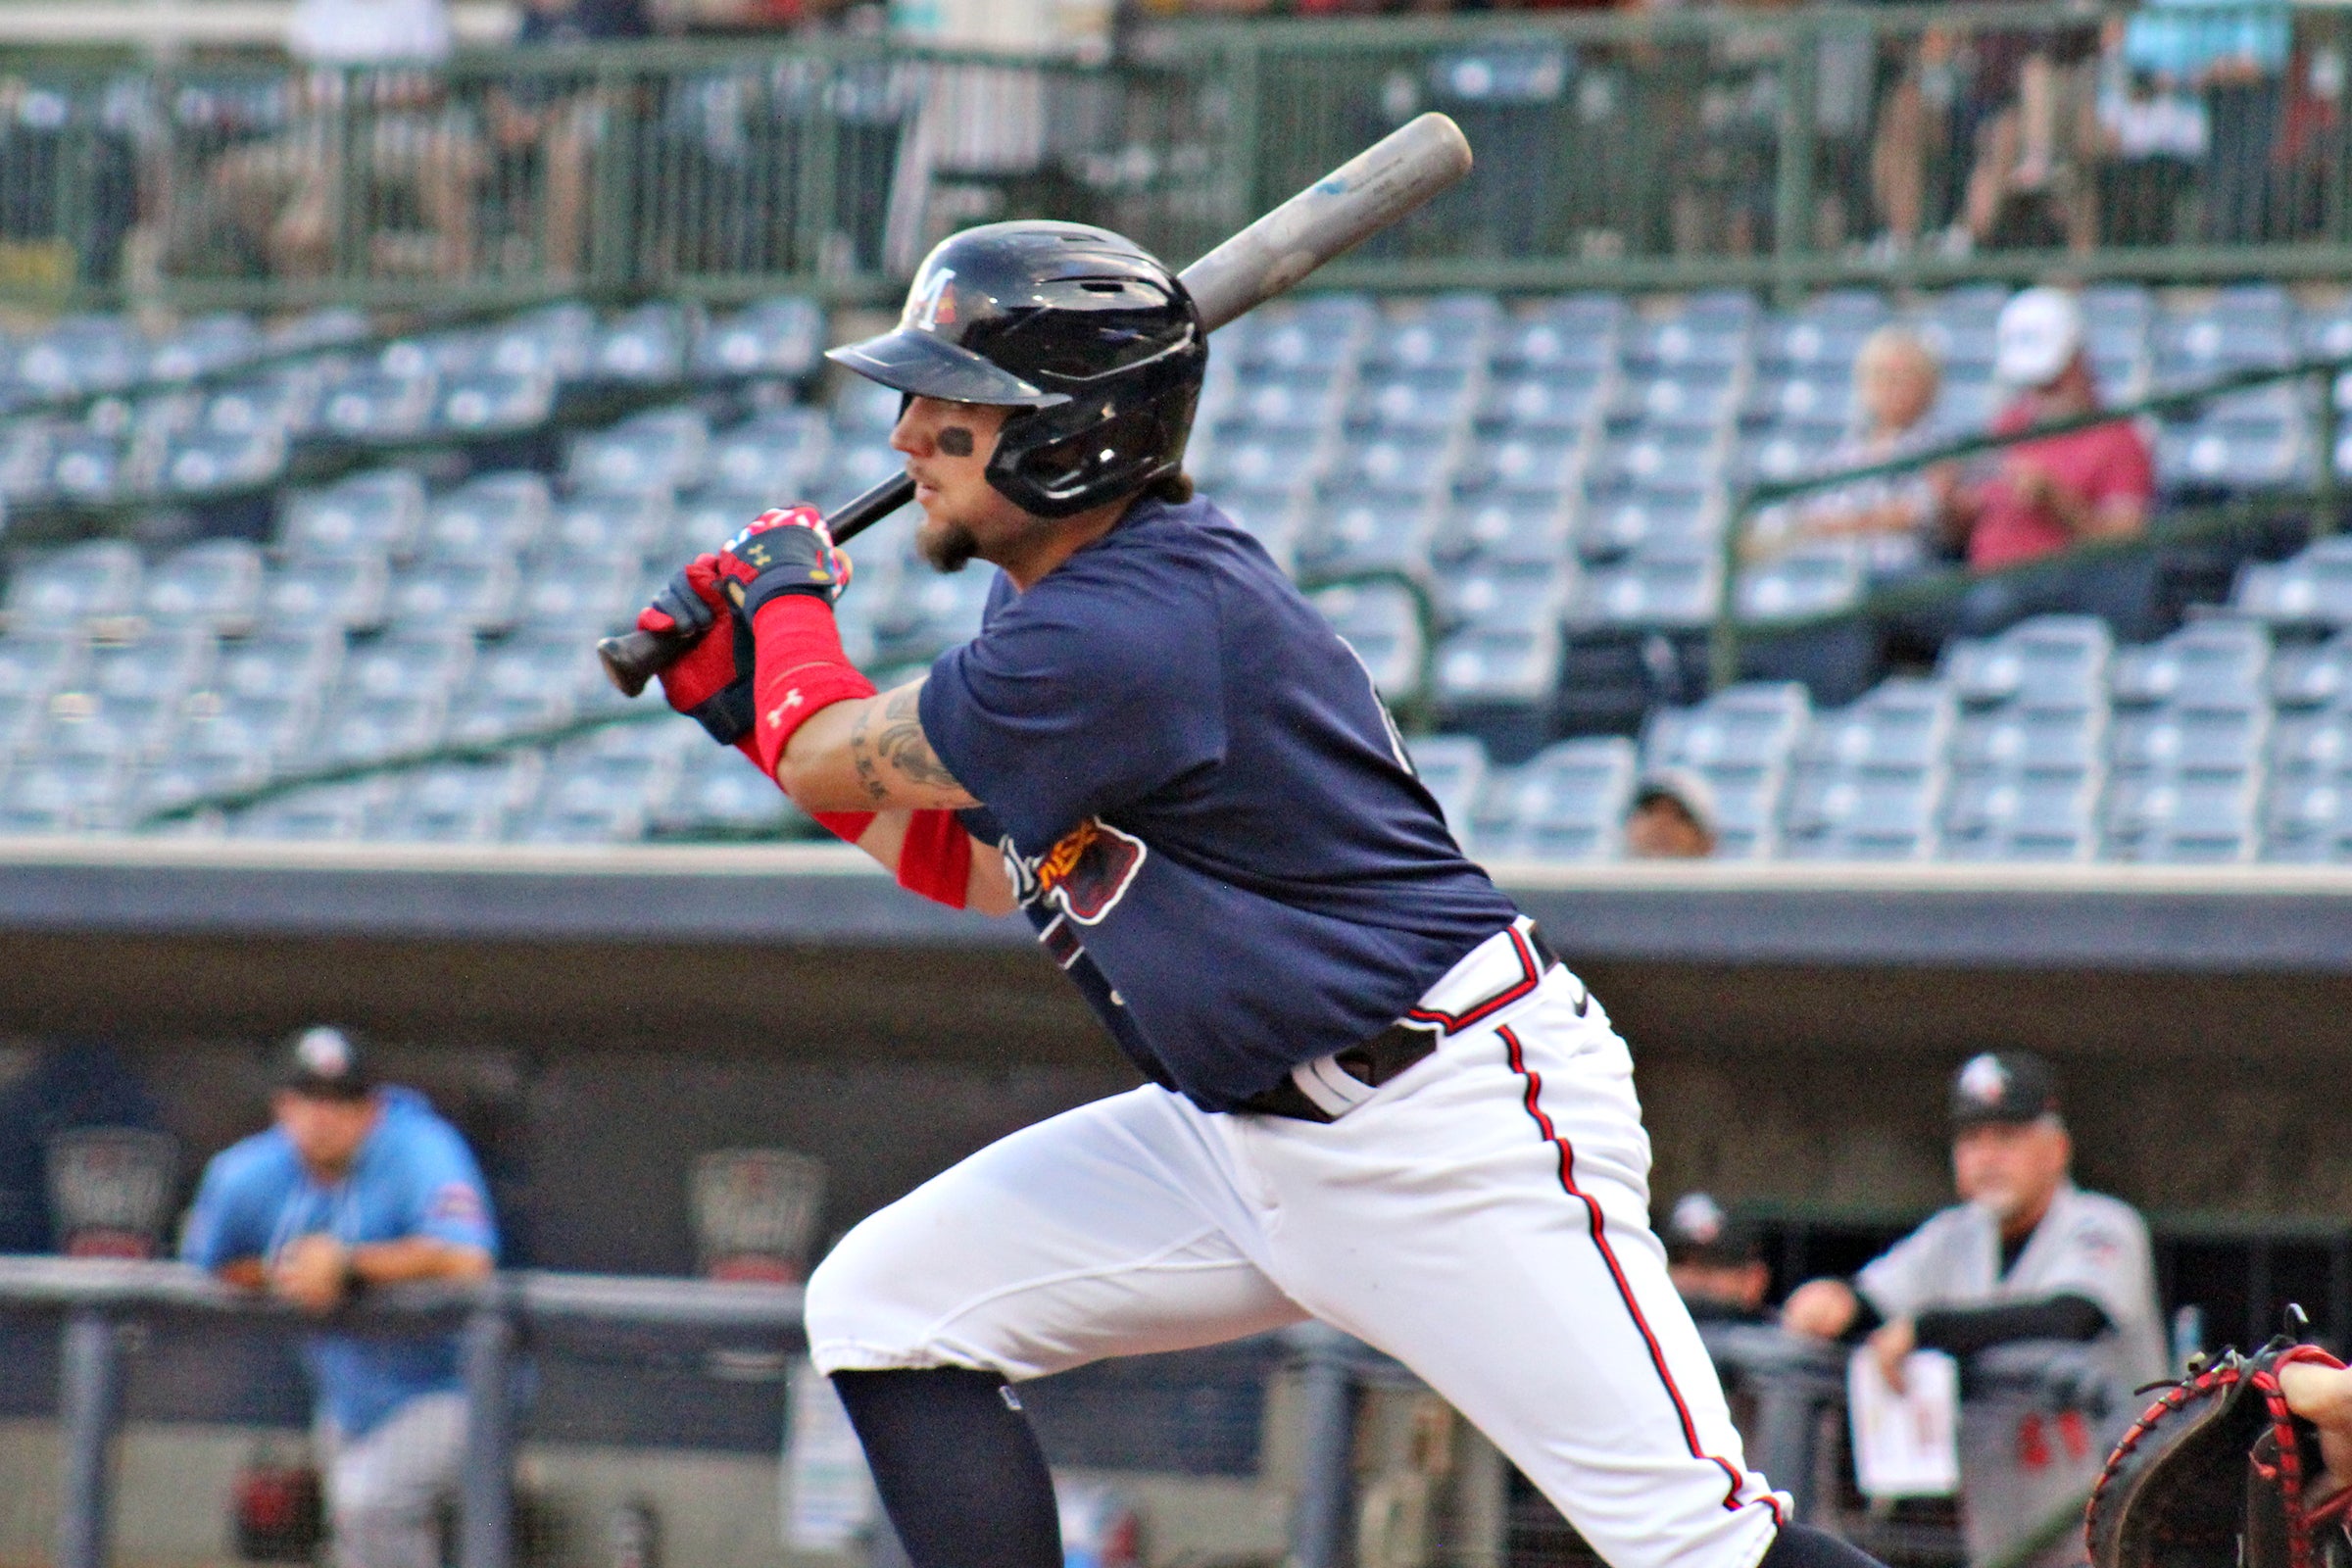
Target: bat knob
[[635, 658]]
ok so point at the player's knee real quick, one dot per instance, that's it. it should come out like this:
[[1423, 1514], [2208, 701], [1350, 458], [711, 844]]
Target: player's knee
[[846, 1302]]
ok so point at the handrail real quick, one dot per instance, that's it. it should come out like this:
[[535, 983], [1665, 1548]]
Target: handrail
[[1747, 500], [126, 1288]]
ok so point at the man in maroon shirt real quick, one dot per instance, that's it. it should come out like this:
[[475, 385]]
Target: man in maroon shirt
[[2050, 493]]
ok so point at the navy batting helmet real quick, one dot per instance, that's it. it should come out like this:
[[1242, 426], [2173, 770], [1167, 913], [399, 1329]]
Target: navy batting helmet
[[1085, 334]]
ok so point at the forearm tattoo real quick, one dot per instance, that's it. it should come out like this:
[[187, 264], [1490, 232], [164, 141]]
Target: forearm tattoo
[[901, 748]]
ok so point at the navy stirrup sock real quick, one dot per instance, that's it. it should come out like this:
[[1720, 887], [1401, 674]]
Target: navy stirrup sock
[[1803, 1546], [958, 1469]]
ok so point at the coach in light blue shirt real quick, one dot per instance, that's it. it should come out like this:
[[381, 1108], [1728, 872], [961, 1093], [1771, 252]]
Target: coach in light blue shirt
[[356, 1184]]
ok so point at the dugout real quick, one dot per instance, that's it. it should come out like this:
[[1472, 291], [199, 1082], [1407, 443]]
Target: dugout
[[594, 1019]]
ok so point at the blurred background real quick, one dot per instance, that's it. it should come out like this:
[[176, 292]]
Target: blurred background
[[362, 361]]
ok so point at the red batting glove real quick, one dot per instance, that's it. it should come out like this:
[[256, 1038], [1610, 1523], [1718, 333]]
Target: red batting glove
[[712, 683]]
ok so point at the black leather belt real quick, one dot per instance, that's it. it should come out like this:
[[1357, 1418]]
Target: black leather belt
[[1385, 1056]]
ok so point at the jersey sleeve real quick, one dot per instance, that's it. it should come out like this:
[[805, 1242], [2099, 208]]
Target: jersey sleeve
[[229, 1218], [1903, 1280], [2102, 1254], [447, 1199], [1074, 699]]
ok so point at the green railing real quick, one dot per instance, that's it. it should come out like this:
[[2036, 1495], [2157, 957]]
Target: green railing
[[2321, 504], [1660, 149]]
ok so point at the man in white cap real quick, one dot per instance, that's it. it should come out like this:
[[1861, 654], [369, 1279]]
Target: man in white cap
[[1673, 818], [2048, 495]]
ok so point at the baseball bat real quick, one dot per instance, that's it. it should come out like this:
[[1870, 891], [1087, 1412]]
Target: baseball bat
[[1361, 197]]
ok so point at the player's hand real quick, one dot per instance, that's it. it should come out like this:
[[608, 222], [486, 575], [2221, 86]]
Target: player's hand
[[1888, 1345], [712, 683], [1820, 1308], [312, 1272], [786, 550]]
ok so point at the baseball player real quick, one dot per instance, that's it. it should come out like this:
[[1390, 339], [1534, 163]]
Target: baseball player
[[1375, 1098], [358, 1184], [2024, 1256]]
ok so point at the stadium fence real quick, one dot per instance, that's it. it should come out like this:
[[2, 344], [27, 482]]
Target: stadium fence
[[1666, 149]]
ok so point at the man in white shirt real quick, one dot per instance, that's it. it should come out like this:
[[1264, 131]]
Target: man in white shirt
[[2025, 1255]]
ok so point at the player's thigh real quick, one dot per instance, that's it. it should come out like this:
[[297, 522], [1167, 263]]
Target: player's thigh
[[1488, 1227], [1109, 1230]]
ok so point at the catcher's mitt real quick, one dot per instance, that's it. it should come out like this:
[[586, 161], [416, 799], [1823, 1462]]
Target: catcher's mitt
[[2213, 1475]]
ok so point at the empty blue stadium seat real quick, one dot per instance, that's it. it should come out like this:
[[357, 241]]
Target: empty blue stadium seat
[[94, 581], [779, 337], [1568, 802], [1994, 814], [659, 449], [2047, 662], [2312, 589]]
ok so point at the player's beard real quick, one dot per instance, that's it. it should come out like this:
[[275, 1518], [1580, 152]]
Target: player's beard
[[948, 544]]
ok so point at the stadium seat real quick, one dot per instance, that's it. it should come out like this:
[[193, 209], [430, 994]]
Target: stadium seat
[[2308, 745], [2031, 739], [1524, 458], [261, 731], [773, 453], [382, 408], [373, 729], [659, 449], [331, 813], [38, 660], [643, 347], [1675, 588], [1650, 515], [1569, 399], [378, 513], [718, 794], [1807, 582], [206, 345], [489, 518], [59, 588], [1376, 533], [2218, 661], [285, 663], [1569, 802], [777, 337], [427, 662], [2308, 820], [1446, 332], [2045, 662], [481, 402], [60, 794], [1581, 331], [1995, 815], [2312, 590], [1504, 530], [1903, 724], [478, 595], [1838, 813], [352, 594], [1422, 404], [1756, 725], [471, 802], [2183, 818], [92, 726], [217, 584]]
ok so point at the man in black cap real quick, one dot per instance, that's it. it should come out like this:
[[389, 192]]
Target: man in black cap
[[2024, 1256], [1716, 1261], [357, 1184]]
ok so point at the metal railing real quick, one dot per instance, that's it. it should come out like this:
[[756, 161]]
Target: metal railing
[[1663, 149], [2321, 504]]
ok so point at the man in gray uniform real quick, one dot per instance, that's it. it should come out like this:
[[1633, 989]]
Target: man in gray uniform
[[2024, 1256]]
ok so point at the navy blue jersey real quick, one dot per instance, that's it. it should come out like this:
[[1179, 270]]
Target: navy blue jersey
[[1207, 812]]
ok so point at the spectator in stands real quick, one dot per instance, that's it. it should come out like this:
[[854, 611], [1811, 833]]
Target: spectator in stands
[[2061, 490], [1716, 1262], [552, 132], [352, 130], [2024, 115], [358, 1184], [1896, 381], [1672, 817], [2234, 56], [2024, 1256]]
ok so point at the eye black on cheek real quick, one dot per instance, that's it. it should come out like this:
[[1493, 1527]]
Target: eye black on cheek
[[955, 441]]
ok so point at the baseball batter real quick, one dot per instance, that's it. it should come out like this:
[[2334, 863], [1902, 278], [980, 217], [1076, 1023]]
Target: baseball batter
[[1376, 1097]]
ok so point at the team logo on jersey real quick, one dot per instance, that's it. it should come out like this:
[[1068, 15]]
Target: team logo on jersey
[[1084, 875], [458, 1203]]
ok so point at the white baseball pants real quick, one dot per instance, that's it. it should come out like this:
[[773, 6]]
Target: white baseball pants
[[384, 1489], [1483, 1218]]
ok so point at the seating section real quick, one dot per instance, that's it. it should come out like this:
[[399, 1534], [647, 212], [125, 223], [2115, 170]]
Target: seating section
[[2219, 743], [1506, 506]]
